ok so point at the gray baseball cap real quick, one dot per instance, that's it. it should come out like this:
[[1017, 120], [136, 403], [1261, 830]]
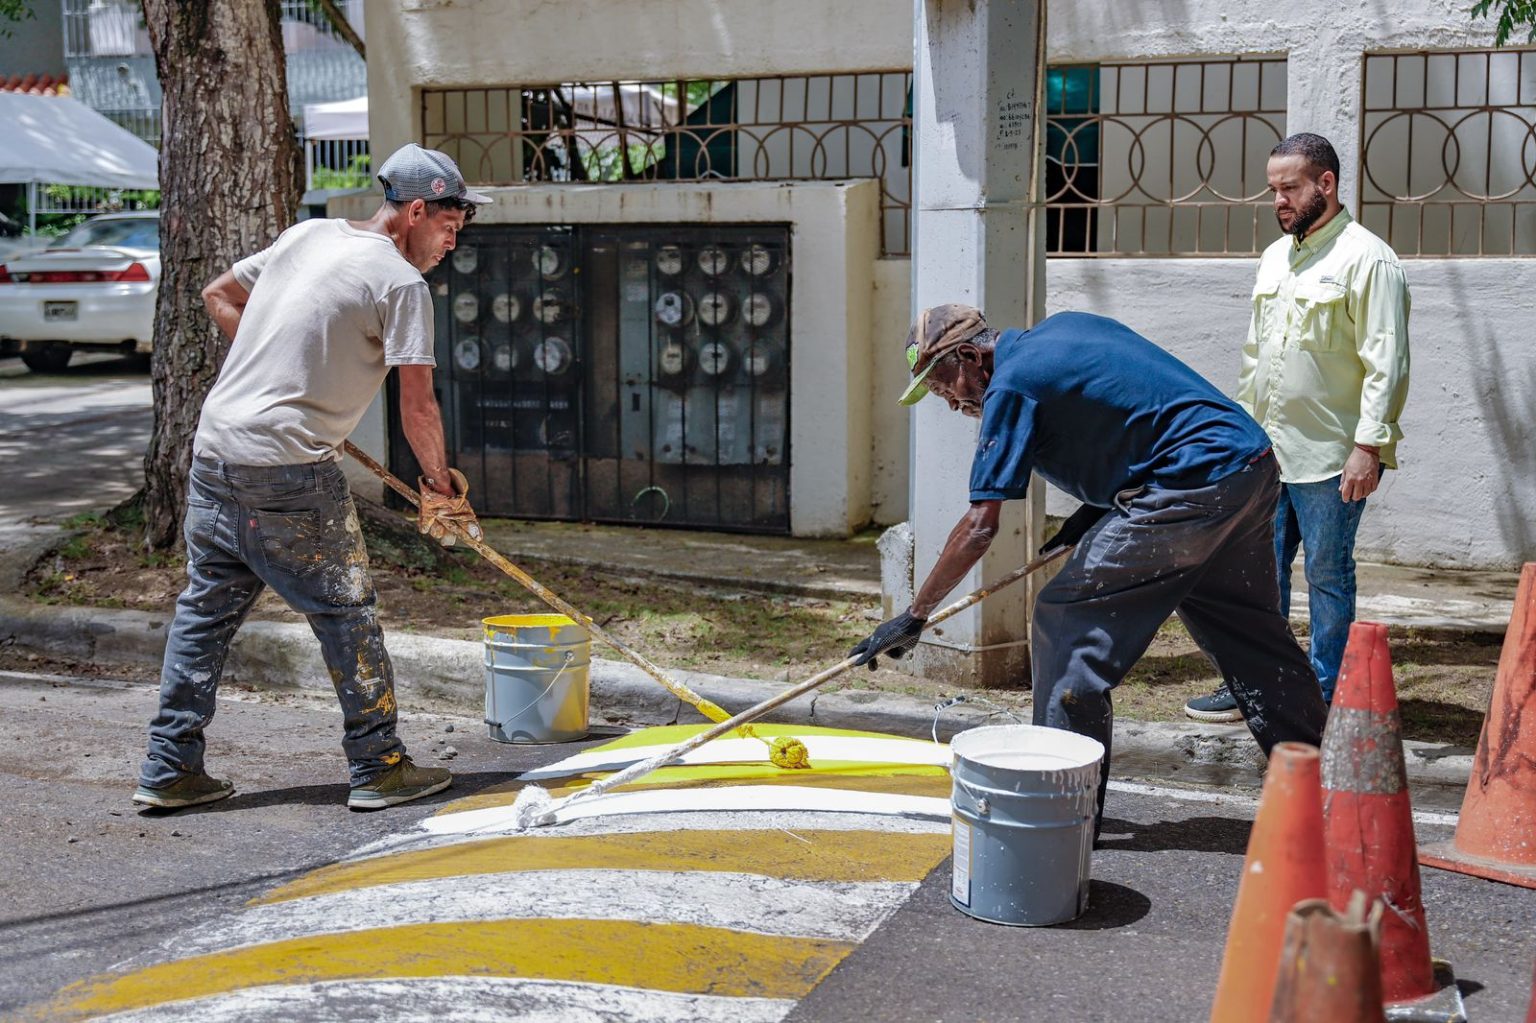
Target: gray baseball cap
[[412, 172]]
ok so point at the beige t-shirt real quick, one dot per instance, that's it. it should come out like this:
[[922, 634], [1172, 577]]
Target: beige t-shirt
[[331, 309]]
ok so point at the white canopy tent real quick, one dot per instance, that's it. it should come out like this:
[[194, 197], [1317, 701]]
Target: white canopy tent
[[55, 140], [347, 119]]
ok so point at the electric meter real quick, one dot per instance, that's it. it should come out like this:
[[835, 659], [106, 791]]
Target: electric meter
[[756, 260], [761, 359], [673, 309], [553, 356], [714, 308], [465, 259], [549, 262], [714, 358], [466, 307], [503, 357], [672, 359], [669, 260], [549, 307], [713, 260], [467, 354], [757, 309], [506, 308]]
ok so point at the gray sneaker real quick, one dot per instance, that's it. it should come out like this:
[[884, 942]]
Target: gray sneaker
[[188, 790], [400, 784], [1218, 706]]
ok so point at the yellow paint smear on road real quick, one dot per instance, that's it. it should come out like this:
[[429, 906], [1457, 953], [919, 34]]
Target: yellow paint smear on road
[[898, 779], [812, 855], [669, 957]]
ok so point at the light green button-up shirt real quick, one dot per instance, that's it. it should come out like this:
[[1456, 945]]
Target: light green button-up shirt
[[1326, 362]]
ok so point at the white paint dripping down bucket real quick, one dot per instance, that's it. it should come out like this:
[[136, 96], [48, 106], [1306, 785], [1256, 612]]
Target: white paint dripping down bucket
[[1023, 801]]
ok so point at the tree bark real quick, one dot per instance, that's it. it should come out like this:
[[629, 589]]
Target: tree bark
[[230, 181]]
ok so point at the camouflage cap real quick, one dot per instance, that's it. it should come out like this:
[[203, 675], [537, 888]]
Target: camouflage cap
[[937, 330]]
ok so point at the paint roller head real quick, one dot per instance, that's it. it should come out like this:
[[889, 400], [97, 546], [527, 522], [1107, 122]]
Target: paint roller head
[[789, 753], [532, 808]]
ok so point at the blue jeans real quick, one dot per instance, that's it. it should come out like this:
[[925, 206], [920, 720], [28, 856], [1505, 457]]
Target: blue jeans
[[1315, 517], [293, 528]]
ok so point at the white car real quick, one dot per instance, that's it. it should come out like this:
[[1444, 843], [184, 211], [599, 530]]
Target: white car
[[93, 288]]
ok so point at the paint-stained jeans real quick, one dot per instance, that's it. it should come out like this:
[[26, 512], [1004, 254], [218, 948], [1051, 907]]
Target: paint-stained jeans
[[293, 528], [1204, 554], [1315, 517]]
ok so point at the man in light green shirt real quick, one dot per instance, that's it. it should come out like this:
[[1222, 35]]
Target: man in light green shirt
[[1325, 372]]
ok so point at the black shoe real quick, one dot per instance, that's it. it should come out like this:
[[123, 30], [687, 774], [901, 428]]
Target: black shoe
[[1219, 706]]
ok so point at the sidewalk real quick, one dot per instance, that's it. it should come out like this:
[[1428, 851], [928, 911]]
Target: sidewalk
[[436, 673]]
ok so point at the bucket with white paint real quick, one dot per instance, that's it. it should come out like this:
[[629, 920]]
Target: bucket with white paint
[[1023, 806], [537, 678]]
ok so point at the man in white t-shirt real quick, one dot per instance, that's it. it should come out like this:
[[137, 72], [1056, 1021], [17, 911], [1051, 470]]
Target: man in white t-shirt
[[316, 320]]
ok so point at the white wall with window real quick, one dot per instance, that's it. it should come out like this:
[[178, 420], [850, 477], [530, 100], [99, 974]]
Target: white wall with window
[[1163, 116]]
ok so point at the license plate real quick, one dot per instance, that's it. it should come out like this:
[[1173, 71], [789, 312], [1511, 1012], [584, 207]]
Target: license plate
[[56, 311]]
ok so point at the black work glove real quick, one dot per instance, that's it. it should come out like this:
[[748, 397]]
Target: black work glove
[[1075, 528], [894, 639]]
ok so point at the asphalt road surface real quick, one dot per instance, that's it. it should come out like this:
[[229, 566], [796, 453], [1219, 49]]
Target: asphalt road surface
[[92, 883]]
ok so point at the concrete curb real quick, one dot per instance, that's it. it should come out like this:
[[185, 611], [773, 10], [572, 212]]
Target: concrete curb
[[437, 674]]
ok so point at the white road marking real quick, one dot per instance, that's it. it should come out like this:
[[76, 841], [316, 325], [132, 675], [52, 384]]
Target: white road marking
[[462, 1000], [831, 910], [739, 798], [1249, 804]]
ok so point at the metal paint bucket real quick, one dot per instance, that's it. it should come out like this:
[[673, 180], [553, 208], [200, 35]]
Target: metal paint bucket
[[1023, 806], [536, 678]]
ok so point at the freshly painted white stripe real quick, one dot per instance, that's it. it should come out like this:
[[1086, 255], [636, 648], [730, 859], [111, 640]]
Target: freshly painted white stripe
[[731, 751], [834, 910], [494, 819], [1250, 803], [462, 1000], [789, 821]]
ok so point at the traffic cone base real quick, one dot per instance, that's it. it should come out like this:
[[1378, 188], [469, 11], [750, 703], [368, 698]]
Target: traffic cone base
[[1445, 856]]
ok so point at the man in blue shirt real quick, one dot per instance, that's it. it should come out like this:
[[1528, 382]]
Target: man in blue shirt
[[1178, 486]]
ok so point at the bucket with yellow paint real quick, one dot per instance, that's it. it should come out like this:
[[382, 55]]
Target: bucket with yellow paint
[[537, 678], [1023, 803]]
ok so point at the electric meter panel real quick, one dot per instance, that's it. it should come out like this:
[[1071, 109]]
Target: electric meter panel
[[618, 373]]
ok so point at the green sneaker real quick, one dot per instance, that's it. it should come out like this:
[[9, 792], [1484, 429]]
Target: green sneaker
[[188, 790], [400, 784]]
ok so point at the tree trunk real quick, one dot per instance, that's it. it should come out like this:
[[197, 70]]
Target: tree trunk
[[230, 180]]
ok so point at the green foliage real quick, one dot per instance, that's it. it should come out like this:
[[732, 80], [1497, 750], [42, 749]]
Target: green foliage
[[13, 11], [357, 174], [1513, 15]]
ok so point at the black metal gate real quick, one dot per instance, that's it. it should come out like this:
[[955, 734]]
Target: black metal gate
[[617, 374]]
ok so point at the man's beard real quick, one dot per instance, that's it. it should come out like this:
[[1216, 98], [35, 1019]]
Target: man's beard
[[1310, 213]]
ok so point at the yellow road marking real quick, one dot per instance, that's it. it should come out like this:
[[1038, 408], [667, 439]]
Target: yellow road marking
[[802, 856], [669, 957]]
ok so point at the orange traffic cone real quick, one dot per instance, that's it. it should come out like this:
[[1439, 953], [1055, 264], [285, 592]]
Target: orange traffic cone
[[1284, 865], [1330, 968], [1367, 817], [1496, 836]]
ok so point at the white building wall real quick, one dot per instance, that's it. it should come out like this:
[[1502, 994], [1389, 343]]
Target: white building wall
[[1469, 476]]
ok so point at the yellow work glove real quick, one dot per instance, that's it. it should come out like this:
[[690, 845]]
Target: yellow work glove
[[438, 511]]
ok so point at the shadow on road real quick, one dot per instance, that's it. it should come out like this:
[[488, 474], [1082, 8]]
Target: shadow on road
[[1193, 834]]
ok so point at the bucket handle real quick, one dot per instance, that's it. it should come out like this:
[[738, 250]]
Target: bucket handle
[[940, 707], [570, 655]]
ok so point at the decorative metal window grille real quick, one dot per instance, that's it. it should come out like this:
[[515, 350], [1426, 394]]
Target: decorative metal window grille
[[1448, 165], [1142, 159], [802, 127], [1163, 158]]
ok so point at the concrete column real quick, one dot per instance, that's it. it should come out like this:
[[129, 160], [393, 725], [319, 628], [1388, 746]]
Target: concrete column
[[1323, 76], [978, 72]]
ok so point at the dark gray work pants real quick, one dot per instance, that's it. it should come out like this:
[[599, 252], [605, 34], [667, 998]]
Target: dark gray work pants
[[293, 528], [1206, 555]]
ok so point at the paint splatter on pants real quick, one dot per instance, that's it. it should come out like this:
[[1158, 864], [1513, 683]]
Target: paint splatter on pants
[[293, 528], [1206, 555]]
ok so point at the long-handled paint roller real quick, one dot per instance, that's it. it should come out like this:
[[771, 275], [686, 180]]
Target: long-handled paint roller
[[786, 752], [534, 806]]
